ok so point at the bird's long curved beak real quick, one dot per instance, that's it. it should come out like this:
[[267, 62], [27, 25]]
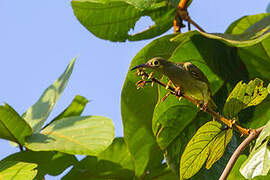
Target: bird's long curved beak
[[140, 66]]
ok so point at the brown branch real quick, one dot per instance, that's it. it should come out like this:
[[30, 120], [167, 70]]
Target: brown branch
[[216, 115], [182, 14], [253, 135], [183, 4]]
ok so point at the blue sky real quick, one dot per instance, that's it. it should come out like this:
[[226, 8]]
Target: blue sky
[[39, 38]]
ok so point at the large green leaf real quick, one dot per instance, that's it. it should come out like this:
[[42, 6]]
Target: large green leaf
[[74, 109], [37, 114], [12, 126], [112, 19], [88, 135], [208, 144], [252, 47], [243, 96], [53, 163], [16, 170], [137, 107], [241, 25], [114, 163]]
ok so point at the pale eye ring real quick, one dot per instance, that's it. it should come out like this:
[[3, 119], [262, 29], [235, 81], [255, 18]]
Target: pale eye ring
[[156, 63]]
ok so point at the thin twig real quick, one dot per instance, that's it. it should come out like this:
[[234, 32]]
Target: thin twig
[[195, 24], [21, 147], [253, 135]]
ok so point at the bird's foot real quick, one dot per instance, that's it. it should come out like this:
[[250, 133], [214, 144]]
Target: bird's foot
[[177, 91], [231, 123], [203, 107], [168, 84], [142, 83]]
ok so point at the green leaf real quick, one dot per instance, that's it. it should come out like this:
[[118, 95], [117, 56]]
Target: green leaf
[[16, 170], [113, 163], [209, 143], [74, 109], [268, 88], [53, 163], [88, 135], [235, 173], [258, 162], [161, 173], [37, 114], [112, 19], [241, 25], [12, 126], [243, 96], [137, 108], [264, 135]]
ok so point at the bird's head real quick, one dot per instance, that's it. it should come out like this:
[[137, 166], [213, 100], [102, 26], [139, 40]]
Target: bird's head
[[156, 63]]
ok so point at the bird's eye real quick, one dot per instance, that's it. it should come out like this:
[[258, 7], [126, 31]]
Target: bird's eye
[[156, 63]]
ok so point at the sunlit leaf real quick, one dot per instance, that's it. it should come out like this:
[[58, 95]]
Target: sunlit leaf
[[112, 20], [12, 126], [74, 109], [87, 135], [16, 170], [208, 144], [268, 88], [241, 25], [243, 96], [258, 162], [37, 114]]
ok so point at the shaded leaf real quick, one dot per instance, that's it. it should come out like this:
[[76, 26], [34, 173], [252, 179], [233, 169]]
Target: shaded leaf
[[112, 20], [53, 163], [37, 114], [243, 96], [113, 163], [137, 108], [258, 162], [16, 170], [12, 126], [74, 109], [87, 135], [161, 173], [209, 143]]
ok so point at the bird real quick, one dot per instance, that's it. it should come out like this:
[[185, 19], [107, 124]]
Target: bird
[[186, 77]]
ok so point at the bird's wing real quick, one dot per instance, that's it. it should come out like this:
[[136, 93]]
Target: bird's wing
[[194, 71]]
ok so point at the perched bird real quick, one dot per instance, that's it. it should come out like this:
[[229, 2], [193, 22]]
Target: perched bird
[[185, 76]]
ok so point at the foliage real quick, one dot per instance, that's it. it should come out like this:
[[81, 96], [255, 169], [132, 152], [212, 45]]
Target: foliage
[[162, 140], [68, 133]]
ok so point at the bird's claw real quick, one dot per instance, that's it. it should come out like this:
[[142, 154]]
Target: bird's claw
[[204, 107], [177, 91]]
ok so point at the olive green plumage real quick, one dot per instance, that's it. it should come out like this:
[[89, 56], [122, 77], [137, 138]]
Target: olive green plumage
[[185, 75]]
